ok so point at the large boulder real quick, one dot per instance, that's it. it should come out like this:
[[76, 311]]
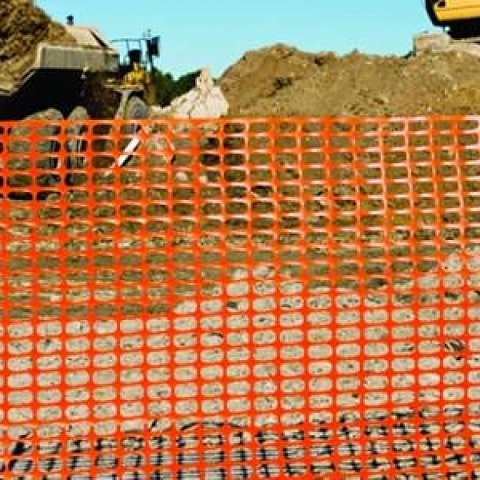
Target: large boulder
[[206, 100]]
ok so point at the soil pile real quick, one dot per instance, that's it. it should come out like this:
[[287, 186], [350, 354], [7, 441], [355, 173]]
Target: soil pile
[[22, 27], [284, 81]]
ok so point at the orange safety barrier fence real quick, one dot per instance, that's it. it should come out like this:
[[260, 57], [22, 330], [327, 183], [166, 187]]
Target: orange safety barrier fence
[[241, 298]]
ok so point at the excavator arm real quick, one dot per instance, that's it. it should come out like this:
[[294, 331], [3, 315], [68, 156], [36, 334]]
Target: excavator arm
[[462, 17]]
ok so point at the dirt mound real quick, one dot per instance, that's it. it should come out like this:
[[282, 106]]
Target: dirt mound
[[22, 27], [283, 81]]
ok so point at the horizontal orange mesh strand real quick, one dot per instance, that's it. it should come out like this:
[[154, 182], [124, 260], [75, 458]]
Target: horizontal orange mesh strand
[[242, 298]]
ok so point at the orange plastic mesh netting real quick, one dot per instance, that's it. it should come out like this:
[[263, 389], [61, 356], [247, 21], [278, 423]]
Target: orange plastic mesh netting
[[242, 298]]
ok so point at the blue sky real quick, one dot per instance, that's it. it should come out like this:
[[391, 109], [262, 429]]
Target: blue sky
[[216, 33]]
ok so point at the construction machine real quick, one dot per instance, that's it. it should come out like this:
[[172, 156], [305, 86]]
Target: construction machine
[[136, 74], [88, 72], [83, 76], [461, 18], [80, 79]]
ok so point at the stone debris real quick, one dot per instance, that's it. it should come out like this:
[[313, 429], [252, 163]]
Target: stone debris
[[206, 100]]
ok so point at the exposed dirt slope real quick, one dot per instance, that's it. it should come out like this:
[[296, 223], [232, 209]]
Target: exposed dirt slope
[[281, 80], [22, 27]]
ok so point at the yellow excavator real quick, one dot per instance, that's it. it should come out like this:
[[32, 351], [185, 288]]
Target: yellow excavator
[[461, 18]]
